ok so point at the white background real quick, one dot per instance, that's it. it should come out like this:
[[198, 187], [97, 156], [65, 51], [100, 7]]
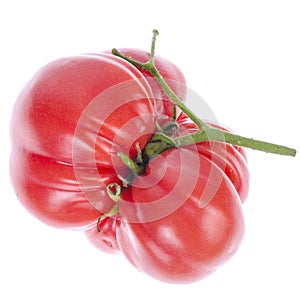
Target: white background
[[243, 58]]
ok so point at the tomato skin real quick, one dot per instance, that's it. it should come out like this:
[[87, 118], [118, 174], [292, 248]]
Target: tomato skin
[[106, 240], [171, 74], [51, 104], [230, 158], [191, 242], [54, 127]]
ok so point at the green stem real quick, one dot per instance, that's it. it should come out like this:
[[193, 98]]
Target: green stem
[[150, 67], [206, 132], [214, 134]]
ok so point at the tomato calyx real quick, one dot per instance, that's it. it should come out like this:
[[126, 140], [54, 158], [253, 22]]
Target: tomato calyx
[[162, 140]]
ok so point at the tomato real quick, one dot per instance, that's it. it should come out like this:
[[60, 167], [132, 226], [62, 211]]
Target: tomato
[[68, 125], [177, 222], [106, 240], [171, 74]]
